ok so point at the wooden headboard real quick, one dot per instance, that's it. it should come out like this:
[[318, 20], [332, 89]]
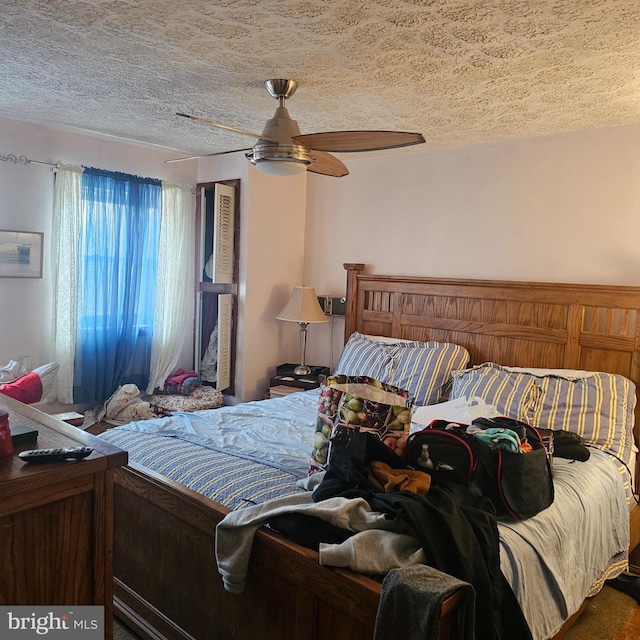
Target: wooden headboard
[[524, 324]]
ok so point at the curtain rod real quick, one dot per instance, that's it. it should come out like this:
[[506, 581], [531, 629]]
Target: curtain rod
[[24, 160], [56, 165]]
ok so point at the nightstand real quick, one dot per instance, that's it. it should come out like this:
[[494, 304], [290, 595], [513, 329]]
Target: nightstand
[[286, 379], [57, 519], [70, 417], [77, 420]]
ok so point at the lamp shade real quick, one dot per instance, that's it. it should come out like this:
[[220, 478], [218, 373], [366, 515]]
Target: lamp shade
[[303, 306]]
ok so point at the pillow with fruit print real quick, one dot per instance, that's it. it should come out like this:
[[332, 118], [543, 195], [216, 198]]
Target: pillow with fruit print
[[359, 403]]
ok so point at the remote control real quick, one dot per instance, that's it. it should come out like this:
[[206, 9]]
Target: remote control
[[54, 455]]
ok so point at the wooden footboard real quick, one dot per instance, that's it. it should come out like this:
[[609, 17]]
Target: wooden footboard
[[167, 584]]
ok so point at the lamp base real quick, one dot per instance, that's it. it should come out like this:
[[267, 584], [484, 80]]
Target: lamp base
[[302, 370]]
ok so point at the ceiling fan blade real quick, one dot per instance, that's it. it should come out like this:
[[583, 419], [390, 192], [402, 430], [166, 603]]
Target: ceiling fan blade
[[227, 127], [327, 165], [350, 141], [205, 155]]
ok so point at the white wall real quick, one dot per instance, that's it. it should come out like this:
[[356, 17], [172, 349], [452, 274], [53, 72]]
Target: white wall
[[272, 232], [26, 196], [561, 208]]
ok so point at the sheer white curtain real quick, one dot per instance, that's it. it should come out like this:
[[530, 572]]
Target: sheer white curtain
[[174, 285], [174, 288], [67, 212]]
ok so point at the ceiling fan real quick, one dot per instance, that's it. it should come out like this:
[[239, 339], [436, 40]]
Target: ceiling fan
[[282, 150]]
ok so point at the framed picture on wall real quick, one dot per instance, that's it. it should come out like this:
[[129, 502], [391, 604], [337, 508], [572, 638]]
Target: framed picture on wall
[[20, 254]]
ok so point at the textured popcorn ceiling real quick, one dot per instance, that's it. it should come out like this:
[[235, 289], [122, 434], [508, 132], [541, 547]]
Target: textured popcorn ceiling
[[458, 71]]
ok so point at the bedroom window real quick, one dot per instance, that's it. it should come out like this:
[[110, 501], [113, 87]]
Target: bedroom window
[[119, 239], [217, 238], [121, 278]]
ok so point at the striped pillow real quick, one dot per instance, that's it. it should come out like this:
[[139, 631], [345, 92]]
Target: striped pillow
[[597, 406], [422, 368], [361, 357], [513, 394]]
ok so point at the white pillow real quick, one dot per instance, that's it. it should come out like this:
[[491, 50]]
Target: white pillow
[[458, 410], [47, 374]]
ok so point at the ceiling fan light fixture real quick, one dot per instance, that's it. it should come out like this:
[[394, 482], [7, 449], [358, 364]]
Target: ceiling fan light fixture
[[280, 159], [285, 167]]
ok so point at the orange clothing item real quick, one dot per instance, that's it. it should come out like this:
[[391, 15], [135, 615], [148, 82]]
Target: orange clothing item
[[387, 479]]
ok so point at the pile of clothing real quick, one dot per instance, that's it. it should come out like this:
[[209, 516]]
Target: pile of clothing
[[181, 382], [183, 391], [124, 405]]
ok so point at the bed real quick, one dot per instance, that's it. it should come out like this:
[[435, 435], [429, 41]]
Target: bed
[[166, 581]]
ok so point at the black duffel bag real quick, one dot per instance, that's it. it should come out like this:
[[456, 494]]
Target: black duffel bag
[[518, 484]]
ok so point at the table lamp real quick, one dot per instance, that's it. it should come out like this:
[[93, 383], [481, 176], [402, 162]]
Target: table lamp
[[303, 308]]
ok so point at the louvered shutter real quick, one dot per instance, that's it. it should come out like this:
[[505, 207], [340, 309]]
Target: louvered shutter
[[223, 234], [225, 306]]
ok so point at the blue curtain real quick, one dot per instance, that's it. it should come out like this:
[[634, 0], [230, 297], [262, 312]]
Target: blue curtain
[[119, 250]]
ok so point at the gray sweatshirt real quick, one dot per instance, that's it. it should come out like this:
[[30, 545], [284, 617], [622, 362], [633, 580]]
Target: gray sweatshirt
[[379, 543]]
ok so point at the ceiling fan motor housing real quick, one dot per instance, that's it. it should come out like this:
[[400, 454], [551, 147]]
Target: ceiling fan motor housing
[[279, 144]]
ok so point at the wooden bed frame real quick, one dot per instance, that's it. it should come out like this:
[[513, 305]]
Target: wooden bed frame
[[166, 582]]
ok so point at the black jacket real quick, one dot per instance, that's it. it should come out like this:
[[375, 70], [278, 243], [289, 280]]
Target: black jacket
[[457, 528]]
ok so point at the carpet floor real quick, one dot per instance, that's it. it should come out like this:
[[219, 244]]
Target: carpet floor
[[605, 617]]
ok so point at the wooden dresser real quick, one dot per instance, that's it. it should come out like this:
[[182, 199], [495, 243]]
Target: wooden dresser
[[56, 519]]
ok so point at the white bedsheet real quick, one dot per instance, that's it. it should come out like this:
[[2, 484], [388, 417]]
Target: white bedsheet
[[556, 559], [553, 561]]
